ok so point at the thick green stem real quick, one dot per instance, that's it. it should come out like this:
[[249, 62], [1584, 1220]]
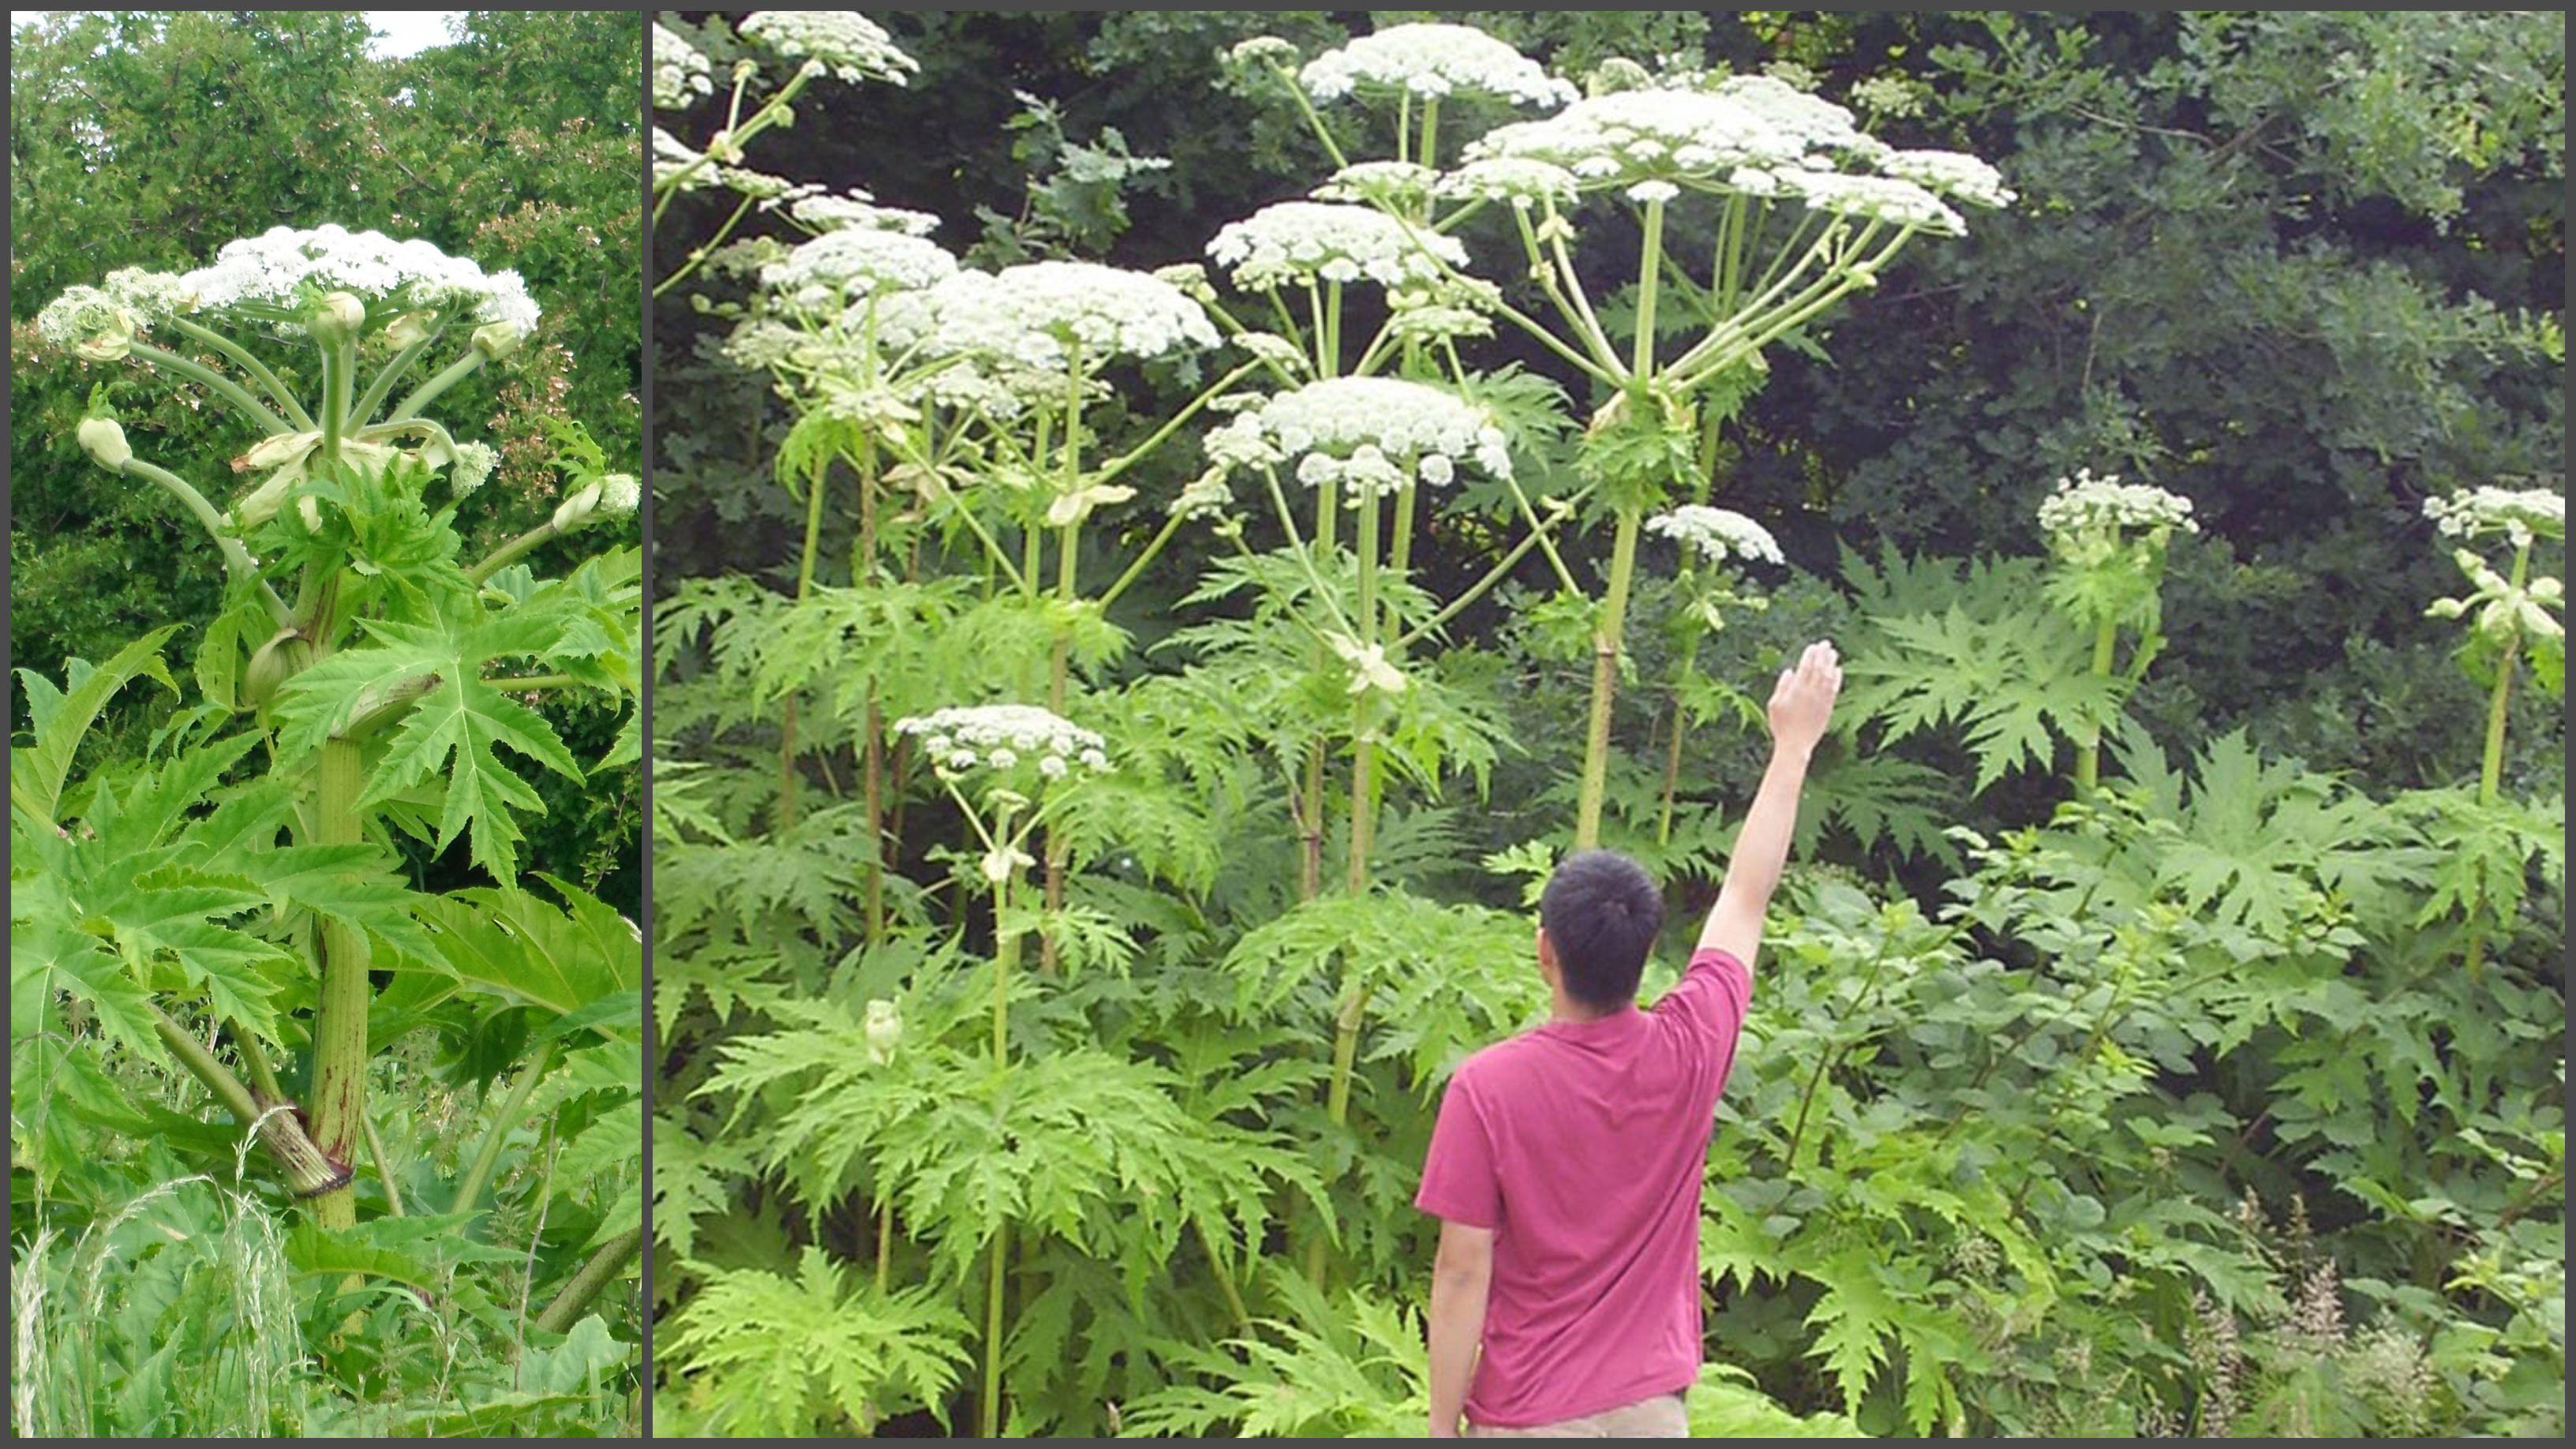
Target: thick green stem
[[988, 1413], [338, 1109], [1606, 636], [1337, 1096], [586, 1285], [237, 560], [479, 1175], [1650, 271], [383, 386], [214, 382], [309, 1172], [2491, 763], [512, 551], [2088, 754], [242, 357], [427, 393], [885, 1242]]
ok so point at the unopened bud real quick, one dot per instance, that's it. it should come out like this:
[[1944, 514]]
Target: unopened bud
[[620, 494], [573, 512], [104, 440], [496, 340], [884, 1031], [337, 320], [407, 329]]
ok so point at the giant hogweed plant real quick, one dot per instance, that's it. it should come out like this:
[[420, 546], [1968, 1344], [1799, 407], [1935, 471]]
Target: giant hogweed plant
[[221, 905], [1802, 209]]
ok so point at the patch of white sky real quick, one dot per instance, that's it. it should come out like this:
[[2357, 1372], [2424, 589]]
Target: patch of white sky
[[398, 32]]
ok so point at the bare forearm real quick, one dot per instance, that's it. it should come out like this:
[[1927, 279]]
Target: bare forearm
[[1761, 851], [1457, 1330]]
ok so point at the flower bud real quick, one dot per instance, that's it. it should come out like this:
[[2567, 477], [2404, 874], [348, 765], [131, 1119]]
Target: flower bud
[[113, 339], [104, 440], [620, 494], [337, 320], [575, 511], [407, 329], [884, 1030], [496, 340]]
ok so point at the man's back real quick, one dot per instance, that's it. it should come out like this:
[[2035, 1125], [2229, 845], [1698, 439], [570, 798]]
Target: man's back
[[1582, 1144]]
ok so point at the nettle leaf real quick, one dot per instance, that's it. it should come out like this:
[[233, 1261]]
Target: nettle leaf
[[454, 731]]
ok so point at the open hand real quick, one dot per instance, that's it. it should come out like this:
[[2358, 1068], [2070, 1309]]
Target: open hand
[[1803, 701]]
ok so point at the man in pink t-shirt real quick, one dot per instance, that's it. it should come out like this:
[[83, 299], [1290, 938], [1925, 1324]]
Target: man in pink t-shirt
[[1566, 1163]]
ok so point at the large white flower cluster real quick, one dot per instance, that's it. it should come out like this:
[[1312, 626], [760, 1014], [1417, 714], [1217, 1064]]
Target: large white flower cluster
[[1433, 61], [1951, 173], [1516, 179], [1757, 135], [1371, 435], [1398, 185], [1032, 316], [2518, 513], [842, 268], [1878, 198], [680, 73], [1308, 241], [1718, 534], [1630, 136], [89, 321], [1003, 737], [272, 268], [2085, 504], [846, 43], [858, 209]]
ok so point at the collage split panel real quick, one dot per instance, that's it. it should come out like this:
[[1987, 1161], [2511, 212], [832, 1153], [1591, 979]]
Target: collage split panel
[[1224, 724]]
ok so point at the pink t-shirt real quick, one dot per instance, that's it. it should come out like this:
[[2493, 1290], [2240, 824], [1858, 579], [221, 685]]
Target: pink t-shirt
[[1582, 1145]]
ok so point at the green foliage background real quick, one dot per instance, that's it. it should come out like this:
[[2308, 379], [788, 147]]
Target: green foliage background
[[2170, 1112], [152, 138]]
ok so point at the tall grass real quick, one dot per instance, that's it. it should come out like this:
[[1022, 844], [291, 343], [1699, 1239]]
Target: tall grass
[[173, 1316]]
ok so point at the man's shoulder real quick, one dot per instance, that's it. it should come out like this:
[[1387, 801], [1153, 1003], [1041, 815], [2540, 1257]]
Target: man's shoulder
[[1490, 1066]]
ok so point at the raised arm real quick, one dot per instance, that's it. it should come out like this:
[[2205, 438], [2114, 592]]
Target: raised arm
[[1801, 703]]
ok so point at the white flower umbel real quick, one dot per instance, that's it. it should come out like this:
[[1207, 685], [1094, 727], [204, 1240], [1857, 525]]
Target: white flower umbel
[[1630, 136], [1032, 316], [1516, 179], [849, 45], [680, 73], [2085, 505], [672, 160], [1815, 125], [1878, 198], [1717, 534], [839, 268], [474, 462], [1369, 434], [1310, 241], [1004, 737], [1400, 185], [857, 210], [90, 322], [1954, 174], [2520, 514], [1431, 62], [274, 269]]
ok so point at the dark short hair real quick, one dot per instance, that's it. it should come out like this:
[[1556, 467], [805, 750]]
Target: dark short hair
[[1602, 912]]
